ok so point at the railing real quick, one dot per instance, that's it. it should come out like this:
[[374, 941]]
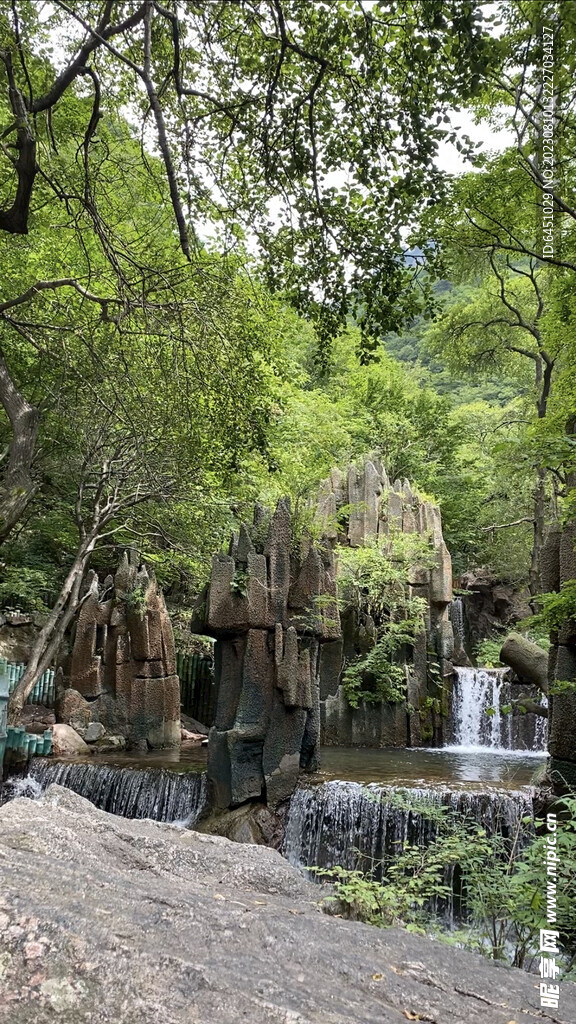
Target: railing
[[43, 692], [16, 737], [197, 688], [28, 743]]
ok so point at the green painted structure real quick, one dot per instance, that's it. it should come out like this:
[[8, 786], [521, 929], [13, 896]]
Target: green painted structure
[[4, 695], [15, 737], [44, 690]]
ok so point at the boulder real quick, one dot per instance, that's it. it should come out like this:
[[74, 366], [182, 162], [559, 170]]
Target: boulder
[[73, 710], [66, 742], [192, 737], [95, 731], [251, 823], [36, 718], [187, 722], [105, 919], [109, 744]]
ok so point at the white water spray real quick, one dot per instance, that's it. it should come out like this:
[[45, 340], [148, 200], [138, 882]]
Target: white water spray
[[479, 723]]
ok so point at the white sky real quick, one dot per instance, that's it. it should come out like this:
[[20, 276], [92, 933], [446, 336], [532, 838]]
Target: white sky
[[450, 160]]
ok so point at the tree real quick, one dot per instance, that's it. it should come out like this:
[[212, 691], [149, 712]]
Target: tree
[[499, 325], [242, 98], [513, 224], [149, 427]]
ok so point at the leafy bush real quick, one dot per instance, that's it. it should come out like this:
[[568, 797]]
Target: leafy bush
[[374, 579], [501, 889], [556, 609], [24, 588], [487, 651]]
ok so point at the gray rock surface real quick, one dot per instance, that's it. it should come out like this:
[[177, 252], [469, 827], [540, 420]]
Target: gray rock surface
[[66, 742], [357, 508], [104, 919]]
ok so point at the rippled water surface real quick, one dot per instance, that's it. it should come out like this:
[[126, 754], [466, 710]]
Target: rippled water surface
[[466, 769], [449, 766]]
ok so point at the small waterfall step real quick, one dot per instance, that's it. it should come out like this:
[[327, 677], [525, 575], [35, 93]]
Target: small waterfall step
[[478, 719], [130, 792], [355, 826]]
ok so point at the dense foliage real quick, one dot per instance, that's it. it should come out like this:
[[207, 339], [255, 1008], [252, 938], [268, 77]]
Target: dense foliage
[[223, 234], [493, 887], [373, 582]]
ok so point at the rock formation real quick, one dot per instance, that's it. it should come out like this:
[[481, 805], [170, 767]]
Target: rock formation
[[272, 608], [529, 661], [355, 508], [122, 669], [105, 919], [490, 605], [281, 645]]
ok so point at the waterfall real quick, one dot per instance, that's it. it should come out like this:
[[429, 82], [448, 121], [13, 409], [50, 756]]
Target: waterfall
[[476, 690], [456, 614], [130, 792], [355, 826]]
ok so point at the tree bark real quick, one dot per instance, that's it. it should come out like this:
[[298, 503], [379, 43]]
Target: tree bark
[[17, 487], [534, 577], [544, 369], [529, 661]]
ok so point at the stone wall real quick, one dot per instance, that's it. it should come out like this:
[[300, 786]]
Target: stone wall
[[122, 669], [374, 508]]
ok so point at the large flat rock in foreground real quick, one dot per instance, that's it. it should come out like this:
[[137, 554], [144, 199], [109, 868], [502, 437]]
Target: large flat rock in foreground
[[103, 919]]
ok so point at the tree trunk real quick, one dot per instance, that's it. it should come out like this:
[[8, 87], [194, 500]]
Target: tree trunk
[[529, 661], [17, 487], [544, 370], [51, 634], [534, 580]]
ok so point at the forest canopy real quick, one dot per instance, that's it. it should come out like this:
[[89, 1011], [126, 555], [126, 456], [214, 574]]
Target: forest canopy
[[231, 260]]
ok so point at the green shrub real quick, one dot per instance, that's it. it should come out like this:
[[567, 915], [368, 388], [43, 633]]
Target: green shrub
[[502, 882]]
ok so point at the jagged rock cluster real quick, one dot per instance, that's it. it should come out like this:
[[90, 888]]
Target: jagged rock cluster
[[272, 609], [122, 669], [271, 604], [358, 507]]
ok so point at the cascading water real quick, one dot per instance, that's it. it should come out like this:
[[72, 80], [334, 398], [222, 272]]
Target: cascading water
[[130, 792], [477, 690], [355, 826], [456, 613], [478, 720]]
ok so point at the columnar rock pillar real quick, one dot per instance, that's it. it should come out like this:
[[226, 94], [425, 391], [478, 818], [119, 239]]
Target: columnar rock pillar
[[271, 608], [558, 566], [122, 671], [374, 509]]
